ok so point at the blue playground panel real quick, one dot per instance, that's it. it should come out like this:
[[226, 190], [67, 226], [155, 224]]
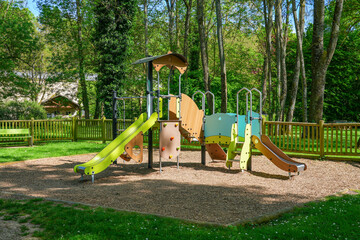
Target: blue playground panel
[[220, 124]]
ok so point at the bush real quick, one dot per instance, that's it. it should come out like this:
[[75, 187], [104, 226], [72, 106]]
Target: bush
[[21, 111]]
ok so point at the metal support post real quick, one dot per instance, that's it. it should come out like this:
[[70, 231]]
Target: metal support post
[[203, 155], [114, 115], [149, 103], [114, 118]]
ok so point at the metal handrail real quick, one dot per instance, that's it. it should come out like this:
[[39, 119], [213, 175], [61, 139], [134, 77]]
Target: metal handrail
[[180, 96], [213, 97], [122, 98], [260, 108], [247, 105], [202, 99], [260, 96]]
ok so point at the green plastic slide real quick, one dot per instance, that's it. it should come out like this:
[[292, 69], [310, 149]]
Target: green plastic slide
[[112, 151]]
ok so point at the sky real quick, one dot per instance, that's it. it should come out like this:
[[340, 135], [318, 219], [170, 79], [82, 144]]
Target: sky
[[31, 4]]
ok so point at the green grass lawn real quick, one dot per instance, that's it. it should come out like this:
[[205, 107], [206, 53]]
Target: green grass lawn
[[50, 149], [335, 218]]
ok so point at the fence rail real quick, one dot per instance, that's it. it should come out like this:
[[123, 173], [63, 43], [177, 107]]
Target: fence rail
[[310, 138]]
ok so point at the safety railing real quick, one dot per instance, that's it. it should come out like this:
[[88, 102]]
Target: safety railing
[[323, 139]]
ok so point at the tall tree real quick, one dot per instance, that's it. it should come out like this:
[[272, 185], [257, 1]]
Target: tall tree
[[81, 57], [203, 49], [65, 24], [268, 6], [171, 13], [281, 42], [113, 22], [299, 63], [146, 28], [222, 57], [23, 53], [321, 58], [188, 5]]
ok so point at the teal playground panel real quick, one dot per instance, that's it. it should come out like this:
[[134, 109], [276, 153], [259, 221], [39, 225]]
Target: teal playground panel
[[255, 125], [219, 124]]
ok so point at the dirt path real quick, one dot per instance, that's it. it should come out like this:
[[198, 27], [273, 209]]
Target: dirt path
[[208, 193]]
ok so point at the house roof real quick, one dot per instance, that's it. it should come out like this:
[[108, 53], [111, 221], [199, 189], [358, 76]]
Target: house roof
[[56, 104]]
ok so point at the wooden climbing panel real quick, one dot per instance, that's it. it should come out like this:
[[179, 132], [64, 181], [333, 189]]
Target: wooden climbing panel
[[191, 117], [129, 149], [170, 139]]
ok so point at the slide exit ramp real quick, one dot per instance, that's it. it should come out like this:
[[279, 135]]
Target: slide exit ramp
[[276, 156], [112, 151]]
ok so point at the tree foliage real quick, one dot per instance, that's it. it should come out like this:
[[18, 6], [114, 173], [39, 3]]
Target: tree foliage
[[22, 52], [113, 22], [72, 38], [26, 110]]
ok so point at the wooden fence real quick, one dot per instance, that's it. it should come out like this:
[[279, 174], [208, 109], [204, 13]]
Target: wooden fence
[[312, 138], [321, 139]]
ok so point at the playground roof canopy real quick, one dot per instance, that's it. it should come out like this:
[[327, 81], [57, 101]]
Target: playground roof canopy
[[171, 60]]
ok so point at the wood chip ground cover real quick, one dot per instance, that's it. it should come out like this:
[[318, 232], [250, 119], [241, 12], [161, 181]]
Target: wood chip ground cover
[[208, 193]]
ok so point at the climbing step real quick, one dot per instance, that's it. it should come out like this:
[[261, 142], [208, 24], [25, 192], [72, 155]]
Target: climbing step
[[233, 160]]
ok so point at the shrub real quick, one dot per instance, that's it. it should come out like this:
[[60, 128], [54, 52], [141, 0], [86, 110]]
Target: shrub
[[21, 111]]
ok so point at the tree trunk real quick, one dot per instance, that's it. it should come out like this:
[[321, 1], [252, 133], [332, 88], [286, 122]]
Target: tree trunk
[[203, 49], [284, 81], [264, 80], [170, 6], [281, 42], [188, 5], [278, 37], [222, 58], [85, 99], [294, 88], [146, 28], [177, 28], [320, 58], [299, 58], [302, 62], [268, 14], [97, 114]]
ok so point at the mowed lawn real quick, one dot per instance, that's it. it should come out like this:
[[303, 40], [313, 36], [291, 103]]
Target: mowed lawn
[[334, 218], [50, 149]]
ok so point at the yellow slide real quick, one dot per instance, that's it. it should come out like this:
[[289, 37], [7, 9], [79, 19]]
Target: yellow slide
[[112, 151]]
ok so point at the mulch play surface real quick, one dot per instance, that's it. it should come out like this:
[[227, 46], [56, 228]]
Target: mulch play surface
[[210, 193]]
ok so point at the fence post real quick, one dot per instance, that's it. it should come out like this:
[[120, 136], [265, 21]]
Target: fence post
[[32, 132], [321, 130], [263, 130], [74, 128], [103, 129]]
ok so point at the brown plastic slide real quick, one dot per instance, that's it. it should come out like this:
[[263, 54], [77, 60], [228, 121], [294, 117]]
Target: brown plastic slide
[[215, 151], [276, 156], [191, 124]]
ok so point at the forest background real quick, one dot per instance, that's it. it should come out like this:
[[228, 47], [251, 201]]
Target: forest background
[[303, 55]]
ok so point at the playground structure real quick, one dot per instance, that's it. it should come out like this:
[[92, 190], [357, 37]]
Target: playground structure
[[186, 119]]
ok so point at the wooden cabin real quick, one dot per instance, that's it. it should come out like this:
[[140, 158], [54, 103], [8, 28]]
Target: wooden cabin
[[59, 105]]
